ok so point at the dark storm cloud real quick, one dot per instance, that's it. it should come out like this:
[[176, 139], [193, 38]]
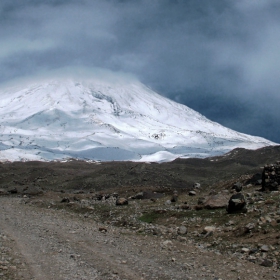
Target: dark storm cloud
[[219, 57]]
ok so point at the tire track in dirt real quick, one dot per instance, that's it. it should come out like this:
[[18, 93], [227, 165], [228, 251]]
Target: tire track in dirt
[[60, 245]]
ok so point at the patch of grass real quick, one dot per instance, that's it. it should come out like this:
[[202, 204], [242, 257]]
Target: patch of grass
[[149, 217]]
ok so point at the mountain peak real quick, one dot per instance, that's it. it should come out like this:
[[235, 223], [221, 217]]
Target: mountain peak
[[106, 117]]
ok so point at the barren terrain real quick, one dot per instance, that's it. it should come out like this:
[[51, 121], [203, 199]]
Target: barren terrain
[[61, 221]]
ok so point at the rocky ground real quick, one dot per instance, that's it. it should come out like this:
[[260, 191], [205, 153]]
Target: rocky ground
[[149, 231]]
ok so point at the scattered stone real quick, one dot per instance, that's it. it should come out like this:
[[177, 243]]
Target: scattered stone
[[166, 243], [182, 230], [174, 197], [139, 195], [167, 202], [185, 207], [245, 250], [102, 229], [237, 187], [192, 193], [65, 200], [250, 227], [201, 200], [12, 190], [264, 248], [208, 230], [269, 201], [78, 192], [196, 186], [258, 182], [3, 192], [198, 207], [121, 201], [32, 190], [267, 263], [253, 251]]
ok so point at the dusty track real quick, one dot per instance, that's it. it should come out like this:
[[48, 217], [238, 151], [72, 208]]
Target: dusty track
[[58, 245]]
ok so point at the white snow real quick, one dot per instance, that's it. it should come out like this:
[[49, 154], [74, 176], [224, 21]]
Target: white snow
[[98, 119]]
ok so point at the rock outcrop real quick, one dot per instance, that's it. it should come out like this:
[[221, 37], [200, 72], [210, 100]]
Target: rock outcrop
[[271, 177]]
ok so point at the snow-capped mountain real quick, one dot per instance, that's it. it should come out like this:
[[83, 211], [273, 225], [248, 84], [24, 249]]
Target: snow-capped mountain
[[100, 118]]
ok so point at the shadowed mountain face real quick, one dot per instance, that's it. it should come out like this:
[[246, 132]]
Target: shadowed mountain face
[[181, 173], [98, 119]]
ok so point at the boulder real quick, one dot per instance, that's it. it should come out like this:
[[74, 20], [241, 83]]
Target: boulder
[[216, 201], [237, 203]]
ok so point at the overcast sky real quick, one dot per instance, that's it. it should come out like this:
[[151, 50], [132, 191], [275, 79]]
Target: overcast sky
[[219, 57]]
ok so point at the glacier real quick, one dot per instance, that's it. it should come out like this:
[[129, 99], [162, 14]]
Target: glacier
[[97, 118]]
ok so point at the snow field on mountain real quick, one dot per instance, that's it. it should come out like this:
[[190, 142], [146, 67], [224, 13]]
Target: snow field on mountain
[[97, 119]]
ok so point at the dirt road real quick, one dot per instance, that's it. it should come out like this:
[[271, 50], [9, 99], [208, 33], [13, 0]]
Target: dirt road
[[39, 243]]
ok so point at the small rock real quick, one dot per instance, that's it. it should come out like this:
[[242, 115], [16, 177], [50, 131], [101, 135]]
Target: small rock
[[103, 229], [209, 230], [237, 186], [245, 250], [121, 201], [174, 197], [198, 207], [192, 193], [166, 243], [185, 207], [13, 190], [267, 263], [139, 195], [250, 226], [182, 230], [167, 202], [3, 192], [264, 248]]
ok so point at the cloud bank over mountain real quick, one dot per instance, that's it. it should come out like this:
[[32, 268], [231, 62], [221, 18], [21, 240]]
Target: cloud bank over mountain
[[218, 57]]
